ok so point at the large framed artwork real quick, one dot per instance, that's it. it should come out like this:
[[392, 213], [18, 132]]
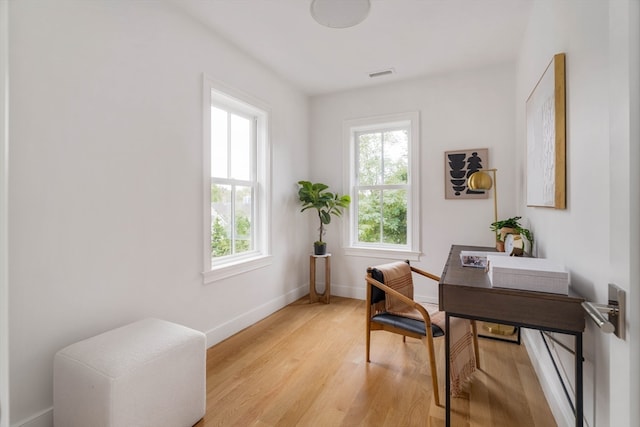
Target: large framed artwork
[[546, 134], [458, 166]]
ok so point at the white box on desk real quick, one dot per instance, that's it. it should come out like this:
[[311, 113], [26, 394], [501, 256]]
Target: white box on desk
[[529, 274]]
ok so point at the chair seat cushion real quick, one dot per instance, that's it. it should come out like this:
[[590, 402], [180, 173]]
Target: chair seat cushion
[[412, 325]]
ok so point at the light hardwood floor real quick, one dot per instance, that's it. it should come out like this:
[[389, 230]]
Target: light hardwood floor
[[304, 366]]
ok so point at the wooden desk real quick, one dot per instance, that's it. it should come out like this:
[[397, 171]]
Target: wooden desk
[[466, 292]]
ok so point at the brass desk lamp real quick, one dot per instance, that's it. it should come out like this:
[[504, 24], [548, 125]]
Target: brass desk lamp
[[480, 180]]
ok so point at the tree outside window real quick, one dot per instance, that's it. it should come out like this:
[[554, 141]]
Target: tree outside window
[[382, 183]]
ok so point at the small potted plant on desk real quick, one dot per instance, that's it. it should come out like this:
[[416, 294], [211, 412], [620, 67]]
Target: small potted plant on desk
[[317, 196], [511, 226]]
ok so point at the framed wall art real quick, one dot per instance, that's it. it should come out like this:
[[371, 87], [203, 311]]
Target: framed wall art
[[458, 166], [546, 133]]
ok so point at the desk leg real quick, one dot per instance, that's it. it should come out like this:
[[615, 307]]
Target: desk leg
[[447, 353], [579, 391]]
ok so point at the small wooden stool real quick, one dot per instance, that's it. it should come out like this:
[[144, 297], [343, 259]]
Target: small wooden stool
[[313, 294]]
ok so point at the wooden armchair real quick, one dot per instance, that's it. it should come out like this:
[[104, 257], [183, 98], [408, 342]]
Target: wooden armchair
[[391, 308]]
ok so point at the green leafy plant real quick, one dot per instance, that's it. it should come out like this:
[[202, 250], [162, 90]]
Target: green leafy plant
[[512, 223], [506, 223], [328, 204]]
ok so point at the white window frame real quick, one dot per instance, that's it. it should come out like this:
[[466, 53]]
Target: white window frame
[[411, 250], [221, 95]]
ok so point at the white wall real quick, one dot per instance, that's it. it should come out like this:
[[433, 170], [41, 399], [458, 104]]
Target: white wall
[[105, 182], [459, 110], [4, 197], [585, 236]]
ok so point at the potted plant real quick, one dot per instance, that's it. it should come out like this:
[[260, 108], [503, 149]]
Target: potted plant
[[510, 226], [327, 204]]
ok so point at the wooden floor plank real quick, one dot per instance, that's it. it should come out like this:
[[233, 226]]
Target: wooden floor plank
[[304, 366]]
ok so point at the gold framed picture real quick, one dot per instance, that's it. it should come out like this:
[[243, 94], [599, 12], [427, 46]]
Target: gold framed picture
[[546, 134]]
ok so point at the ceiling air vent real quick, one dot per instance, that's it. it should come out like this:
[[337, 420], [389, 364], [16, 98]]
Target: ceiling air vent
[[381, 73]]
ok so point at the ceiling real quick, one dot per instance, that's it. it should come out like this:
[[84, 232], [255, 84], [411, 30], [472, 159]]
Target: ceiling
[[414, 37]]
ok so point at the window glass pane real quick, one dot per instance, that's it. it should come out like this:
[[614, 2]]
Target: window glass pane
[[394, 213], [219, 133], [240, 147], [220, 220], [369, 158], [369, 216], [243, 219], [396, 156]]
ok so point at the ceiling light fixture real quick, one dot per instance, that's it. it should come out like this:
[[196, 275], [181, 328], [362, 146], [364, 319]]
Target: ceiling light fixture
[[340, 13]]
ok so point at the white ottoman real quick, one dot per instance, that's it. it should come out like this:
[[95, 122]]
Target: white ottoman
[[149, 373]]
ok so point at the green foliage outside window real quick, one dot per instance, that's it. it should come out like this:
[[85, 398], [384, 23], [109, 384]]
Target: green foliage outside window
[[221, 233], [243, 236], [392, 213], [220, 241], [382, 212]]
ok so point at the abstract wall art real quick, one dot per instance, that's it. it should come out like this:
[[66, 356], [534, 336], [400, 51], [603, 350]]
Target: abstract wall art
[[458, 166], [546, 136]]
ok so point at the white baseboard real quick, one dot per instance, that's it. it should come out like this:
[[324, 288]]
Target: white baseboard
[[43, 418], [360, 293], [245, 320], [542, 364], [348, 292]]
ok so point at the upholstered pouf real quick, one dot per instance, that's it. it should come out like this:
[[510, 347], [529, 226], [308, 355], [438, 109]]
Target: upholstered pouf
[[149, 373]]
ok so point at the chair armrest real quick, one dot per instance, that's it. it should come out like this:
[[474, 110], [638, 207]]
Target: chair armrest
[[423, 312], [425, 273]]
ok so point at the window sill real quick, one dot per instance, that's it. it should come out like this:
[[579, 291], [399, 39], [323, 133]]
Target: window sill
[[236, 267], [383, 253]]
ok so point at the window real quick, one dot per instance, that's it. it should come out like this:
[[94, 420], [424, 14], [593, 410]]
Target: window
[[383, 182], [236, 183]]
